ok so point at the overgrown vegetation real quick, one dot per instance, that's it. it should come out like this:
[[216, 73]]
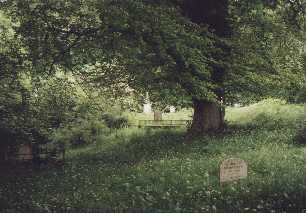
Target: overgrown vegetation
[[75, 73], [154, 171], [269, 113]]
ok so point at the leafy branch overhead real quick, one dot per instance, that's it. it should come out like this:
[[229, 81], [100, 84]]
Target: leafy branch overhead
[[157, 43], [185, 52]]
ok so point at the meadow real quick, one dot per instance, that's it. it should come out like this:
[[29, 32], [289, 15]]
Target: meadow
[[143, 170]]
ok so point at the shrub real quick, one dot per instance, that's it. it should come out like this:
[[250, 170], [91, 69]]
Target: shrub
[[301, 97], [114, 122], [301, 136], [84, 131]]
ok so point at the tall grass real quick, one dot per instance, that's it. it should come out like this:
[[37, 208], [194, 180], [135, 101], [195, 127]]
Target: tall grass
[[268, 113], [155, 171]]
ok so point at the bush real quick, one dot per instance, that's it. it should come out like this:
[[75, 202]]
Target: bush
[[84, 131], [301, 136], [301, 97], [115, 122]]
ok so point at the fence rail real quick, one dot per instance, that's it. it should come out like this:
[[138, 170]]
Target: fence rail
[[163, 123]]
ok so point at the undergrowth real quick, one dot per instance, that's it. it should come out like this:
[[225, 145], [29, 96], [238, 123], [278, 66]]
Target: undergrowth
[[138, 170]]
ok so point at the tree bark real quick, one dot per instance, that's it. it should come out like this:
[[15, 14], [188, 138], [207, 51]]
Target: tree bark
[[207, 117]]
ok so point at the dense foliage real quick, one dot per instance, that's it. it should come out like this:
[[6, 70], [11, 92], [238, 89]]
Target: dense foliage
[[170, 55], [117, 50]]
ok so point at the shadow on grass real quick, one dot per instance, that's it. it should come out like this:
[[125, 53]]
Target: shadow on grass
[[131, 149], [153, 145], [137, 148], [141, 146]]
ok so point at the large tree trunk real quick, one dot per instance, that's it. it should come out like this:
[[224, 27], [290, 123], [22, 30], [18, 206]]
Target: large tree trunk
[[207, 117]]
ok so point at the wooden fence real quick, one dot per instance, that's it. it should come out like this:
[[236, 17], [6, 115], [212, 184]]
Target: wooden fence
[[163, 123]]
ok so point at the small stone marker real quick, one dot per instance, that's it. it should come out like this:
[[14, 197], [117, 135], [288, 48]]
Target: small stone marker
[[25, 152], [157, 116], [233, 169]]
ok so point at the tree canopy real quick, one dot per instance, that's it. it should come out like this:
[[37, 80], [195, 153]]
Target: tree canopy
[[173, 49]]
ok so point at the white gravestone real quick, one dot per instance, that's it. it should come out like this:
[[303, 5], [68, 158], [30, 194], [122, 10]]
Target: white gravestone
[[233, 169], [172, 109], [147, 108]]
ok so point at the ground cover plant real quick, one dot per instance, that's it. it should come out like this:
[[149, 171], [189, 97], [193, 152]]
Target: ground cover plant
[[155, 171]]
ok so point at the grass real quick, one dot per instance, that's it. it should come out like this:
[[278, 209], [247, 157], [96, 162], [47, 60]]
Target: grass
[[154, 171], [266, 113]]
